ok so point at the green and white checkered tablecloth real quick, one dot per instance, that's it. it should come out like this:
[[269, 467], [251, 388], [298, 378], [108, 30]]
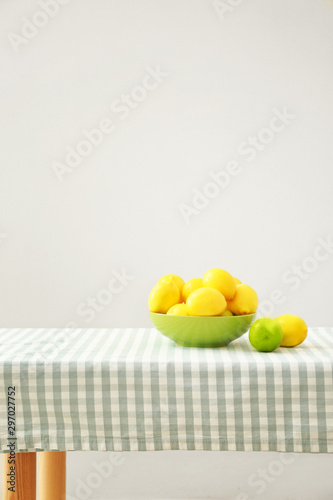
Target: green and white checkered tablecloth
[[133, 389]]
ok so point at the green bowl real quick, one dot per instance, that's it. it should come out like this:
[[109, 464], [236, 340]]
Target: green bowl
[[199, 331]]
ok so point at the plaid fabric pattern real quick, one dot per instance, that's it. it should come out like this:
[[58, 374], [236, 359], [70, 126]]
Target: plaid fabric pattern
[[133, 389]]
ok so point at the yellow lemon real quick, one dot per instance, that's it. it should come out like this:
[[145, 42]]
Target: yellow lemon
[[294, 329], [227, 313], [177, 280], [245, 300], [190, 286], [206, 301], [237, 281], [222, 281], [164, 295], [178, 310]]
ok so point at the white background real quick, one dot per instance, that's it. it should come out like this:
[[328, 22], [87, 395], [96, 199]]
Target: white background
[[119, 209]]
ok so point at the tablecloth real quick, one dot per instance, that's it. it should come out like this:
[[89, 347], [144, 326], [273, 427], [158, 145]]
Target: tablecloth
[[133, 389]]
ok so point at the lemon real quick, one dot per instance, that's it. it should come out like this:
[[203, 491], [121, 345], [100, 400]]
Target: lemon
[[237, 281], [164, 295], [294, 329], [245, 300], [265, 335], [222, 281], [173, 278], [190, 286], [206, 301], [227, 313], [178, 310]]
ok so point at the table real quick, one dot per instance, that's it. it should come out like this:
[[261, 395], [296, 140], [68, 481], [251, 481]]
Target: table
[[133, 389]]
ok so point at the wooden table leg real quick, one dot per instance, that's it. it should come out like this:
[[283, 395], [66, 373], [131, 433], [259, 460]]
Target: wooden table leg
[[52, 475], [25, 477]]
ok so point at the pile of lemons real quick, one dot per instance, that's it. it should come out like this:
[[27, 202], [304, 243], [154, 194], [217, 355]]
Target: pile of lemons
[[217, 293]]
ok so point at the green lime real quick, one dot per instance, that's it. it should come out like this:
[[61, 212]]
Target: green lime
[[265, 334]]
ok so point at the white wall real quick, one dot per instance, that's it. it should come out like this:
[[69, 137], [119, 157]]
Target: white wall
[[200, 475], [223, 75]]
